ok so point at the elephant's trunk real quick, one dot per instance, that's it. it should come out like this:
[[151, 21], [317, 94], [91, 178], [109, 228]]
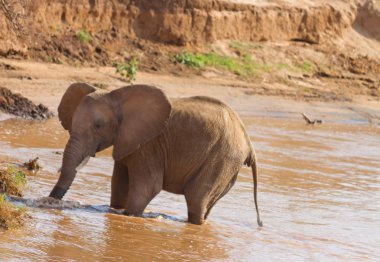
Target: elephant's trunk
[[74, 155]]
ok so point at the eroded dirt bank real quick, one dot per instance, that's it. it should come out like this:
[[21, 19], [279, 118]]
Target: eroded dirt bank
[[176, 22], [49, 28], [299, 49]]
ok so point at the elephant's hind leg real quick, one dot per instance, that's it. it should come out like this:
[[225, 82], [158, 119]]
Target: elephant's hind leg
[[210, 185], [219, 196], [197, 195], [196, 209], [119, 186]]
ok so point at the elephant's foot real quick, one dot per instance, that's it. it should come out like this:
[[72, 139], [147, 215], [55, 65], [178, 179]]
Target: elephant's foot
[[137, 204], [197, 219], [196, 210], [117, 206], [132, 214]]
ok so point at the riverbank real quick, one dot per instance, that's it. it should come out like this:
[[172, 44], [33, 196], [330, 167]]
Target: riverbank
[[45, 83], [299, 50]]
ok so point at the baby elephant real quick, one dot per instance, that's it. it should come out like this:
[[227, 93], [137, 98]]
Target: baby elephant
[[192, 146]]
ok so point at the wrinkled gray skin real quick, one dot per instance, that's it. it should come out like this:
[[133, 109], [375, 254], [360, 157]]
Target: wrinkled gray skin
[[194, 146]]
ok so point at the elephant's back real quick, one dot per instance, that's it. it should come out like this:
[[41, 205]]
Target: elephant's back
[[199, 100], [202, 108], [206, 112], [201, 129], [205, 116]]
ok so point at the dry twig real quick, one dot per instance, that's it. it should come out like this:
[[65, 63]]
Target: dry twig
[[309, 121]]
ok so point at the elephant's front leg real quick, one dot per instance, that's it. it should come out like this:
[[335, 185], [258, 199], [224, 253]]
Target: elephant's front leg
[[119, 186]]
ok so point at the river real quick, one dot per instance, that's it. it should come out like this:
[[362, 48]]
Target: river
[[319, 198]]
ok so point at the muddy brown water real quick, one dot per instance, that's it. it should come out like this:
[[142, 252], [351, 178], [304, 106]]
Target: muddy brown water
[[319, 197]]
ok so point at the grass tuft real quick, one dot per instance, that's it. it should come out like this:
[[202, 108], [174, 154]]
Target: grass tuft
[[83, 36], [244, 66], [12, 181], [11, 216], [128, 70], [188, 59], [306, 66]]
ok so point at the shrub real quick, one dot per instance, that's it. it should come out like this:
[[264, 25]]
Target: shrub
[[128, 70], [83, 36]]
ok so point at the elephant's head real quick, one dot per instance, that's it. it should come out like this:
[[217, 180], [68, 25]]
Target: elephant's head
[[126, 118]]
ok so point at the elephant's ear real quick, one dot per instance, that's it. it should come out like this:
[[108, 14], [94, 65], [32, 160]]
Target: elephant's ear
[[143, 114], [70, 101]]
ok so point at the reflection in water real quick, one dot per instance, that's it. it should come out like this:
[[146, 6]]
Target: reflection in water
[[319, 199]]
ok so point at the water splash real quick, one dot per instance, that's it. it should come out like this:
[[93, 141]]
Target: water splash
[[52, 203]]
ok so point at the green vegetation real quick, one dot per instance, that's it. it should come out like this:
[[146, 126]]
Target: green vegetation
[[252, 67], [243, 61], [83, 36], [12, 181], [306, 66], [11, 216], [244, 66], [128, 70], [189, 59]]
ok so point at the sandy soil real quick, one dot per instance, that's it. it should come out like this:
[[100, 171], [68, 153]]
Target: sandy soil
[[45, 83]]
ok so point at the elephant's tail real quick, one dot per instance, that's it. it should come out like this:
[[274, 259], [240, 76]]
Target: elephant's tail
[[253, 165]]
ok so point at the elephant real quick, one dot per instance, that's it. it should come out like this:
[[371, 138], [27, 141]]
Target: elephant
[[192, 146]]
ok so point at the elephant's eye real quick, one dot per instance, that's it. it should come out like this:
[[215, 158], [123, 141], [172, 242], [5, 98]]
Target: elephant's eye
[[98, 125]]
